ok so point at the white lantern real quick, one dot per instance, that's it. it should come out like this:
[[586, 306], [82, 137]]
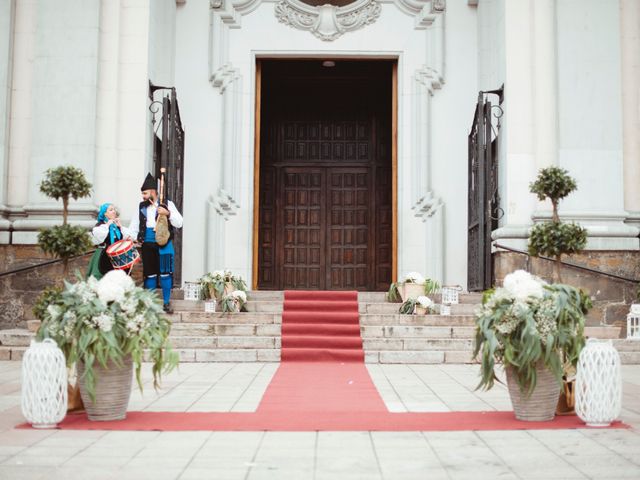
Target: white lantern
[[633, 322], [598, 383], [445, 309], [44, 384], [191, 291], [210, 306], [450, 294]]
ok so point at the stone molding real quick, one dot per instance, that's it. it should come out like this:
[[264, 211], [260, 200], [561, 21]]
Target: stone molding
[[327, 22]]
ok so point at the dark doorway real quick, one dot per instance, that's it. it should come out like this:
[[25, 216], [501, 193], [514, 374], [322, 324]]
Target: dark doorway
[[325, 202]]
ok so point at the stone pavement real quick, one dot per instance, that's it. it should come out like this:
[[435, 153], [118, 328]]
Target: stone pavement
[[238, 387]]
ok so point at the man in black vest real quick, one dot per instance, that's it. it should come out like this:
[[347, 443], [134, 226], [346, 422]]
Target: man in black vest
[[157, 261]]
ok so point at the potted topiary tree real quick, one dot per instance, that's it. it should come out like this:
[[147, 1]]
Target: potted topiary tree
[[555, 238], [65, 241]]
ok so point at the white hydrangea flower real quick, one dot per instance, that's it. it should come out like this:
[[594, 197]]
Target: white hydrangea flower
[[54, 311], [93, 284], [414, 277], [120, 278], [239, 294], [110, 291], [522, 285], [129, 305], [424, 301], [104, 322]]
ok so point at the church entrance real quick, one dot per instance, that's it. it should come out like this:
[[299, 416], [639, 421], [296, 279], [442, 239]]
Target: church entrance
[[325, 175]]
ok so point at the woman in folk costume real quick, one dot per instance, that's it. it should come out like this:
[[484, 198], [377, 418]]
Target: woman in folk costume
[[157, 261], [107, 231]]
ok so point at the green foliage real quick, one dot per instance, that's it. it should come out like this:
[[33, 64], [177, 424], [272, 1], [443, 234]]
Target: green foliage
[[553, 239], [524, 333], [553, 183], [431, 286], [108, 320], [234, 302], [65, 182], [213, 284], [393, 295], [64, 241], [49, 295], [408, 306]]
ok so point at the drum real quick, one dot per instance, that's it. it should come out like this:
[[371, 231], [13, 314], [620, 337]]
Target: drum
[[123, 254]]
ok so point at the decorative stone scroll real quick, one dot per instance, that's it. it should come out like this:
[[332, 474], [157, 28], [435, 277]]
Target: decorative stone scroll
[[327, 22]]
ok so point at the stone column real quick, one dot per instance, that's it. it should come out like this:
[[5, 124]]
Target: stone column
[[630, 59], [6, 34], [545, 94], [21, 101], [106, 173]]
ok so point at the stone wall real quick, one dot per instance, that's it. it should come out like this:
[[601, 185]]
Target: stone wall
[[611, 297], [19, 291]]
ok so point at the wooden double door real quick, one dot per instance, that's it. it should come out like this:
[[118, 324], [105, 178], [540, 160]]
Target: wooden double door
[[325, 218]]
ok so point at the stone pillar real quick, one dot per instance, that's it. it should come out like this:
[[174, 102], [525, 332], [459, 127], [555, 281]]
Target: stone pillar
[[630, 59], [518, 139], [545, 93], [106, 173], [133, 132], [6, 34], [21, 102]]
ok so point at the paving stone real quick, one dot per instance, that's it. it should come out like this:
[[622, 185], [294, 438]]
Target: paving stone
[[194, 342], [235, 329], [269, 330], [18, 337]]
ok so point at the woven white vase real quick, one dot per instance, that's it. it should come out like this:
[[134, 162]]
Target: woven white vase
[[44, 384], [191, 291], [598, 384]]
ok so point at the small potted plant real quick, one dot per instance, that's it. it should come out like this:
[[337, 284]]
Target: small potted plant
[[413, 285], [234, 302], [530, 327], [220, 283], [107, 327], [424, 305]]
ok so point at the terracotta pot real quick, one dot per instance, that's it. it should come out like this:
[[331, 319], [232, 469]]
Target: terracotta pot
[[540, 406]]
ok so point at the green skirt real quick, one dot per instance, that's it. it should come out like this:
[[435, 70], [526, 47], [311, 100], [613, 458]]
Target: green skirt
[[93, 269]]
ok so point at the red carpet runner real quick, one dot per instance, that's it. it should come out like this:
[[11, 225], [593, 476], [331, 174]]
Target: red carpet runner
[[322, 384]]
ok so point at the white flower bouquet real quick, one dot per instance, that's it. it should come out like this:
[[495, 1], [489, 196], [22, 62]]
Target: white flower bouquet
[[107, 320], [234, 302], [413, 285], [527, 321], [219, 283]]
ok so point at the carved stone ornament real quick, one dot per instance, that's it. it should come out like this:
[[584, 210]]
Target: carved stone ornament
[[327, 22]]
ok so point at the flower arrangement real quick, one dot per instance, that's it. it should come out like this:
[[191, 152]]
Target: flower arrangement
[[234, 302], [107, 320], [412, 278], [420, 305], [219, 283], [526, 322]]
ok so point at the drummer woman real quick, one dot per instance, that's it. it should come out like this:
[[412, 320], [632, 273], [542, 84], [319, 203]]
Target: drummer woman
[[108, 230]]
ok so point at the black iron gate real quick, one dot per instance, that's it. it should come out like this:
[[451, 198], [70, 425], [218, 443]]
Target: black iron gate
[[483, 209], [168, 152]]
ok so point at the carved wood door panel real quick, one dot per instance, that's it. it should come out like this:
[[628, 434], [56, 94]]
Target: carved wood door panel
[[303, 233]]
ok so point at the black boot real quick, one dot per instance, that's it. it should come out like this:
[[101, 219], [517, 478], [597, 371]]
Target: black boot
[[167, 308]]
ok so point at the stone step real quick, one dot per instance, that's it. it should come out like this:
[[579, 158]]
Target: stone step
[[419, 357], [417, 344], [225, 342], [391, 308], [195, 329], [16, 337], [226, 318], [417, 331], [430, 320]]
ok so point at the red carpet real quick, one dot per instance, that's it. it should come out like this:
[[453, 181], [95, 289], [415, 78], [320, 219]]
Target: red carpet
[[321, 384]]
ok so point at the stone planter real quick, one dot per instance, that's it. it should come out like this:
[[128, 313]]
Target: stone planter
[[410, 290], [113, 390], [540, 406]]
